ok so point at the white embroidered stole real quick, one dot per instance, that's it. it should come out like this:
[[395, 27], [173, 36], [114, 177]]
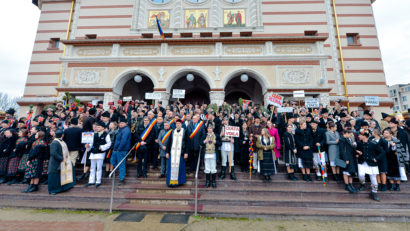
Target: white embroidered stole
[[66, 167], [176, 150]]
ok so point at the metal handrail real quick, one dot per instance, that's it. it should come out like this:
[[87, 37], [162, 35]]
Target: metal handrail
[[113, 173], [196, 181]]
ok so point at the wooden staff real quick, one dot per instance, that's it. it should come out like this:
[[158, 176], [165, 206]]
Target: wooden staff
[[230, 155]]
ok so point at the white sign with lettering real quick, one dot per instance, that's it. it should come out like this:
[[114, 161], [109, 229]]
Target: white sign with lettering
[[299, 94], [232, 131], [153, 95], [312, 102], [372, 100], [178, 94]]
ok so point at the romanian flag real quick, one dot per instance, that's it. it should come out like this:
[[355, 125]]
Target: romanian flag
[[159, 28]]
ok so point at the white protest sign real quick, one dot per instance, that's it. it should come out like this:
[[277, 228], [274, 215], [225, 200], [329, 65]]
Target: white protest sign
[[299, 94], [312, 102], [275, 99], [87, 137], [232, 131], [285, 109], [153, 95], [178, 94], [95, 102], [127, 98], [372, 100]]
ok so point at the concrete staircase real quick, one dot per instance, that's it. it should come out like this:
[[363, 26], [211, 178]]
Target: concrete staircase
[[279, 199]]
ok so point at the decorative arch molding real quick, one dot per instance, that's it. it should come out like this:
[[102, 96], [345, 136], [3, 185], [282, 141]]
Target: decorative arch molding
[[251, 72], [125, 76], [176, 75]]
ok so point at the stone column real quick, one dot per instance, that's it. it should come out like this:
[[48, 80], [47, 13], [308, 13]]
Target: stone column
[[324, 99], [109, 97], [217, 97]]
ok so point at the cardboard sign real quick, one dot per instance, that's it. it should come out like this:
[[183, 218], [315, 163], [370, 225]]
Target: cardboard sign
[[312, 102], [87, 137], [178, 94], [299, 94], [372, 100], [232, 131], [127, 98], [153, 95], [285, 109], [275, 99]]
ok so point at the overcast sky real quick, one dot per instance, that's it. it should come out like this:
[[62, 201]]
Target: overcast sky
[[19, 18]]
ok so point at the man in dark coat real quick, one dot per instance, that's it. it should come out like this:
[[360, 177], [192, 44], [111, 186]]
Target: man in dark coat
[[54, 167], [367, 117], [325, 118], [89, 120], [143, 151], [72, 137], [121, 147], [196, 135]]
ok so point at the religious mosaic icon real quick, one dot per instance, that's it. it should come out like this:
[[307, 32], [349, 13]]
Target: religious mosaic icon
[[196, 19], [234, 18], [163, 17]]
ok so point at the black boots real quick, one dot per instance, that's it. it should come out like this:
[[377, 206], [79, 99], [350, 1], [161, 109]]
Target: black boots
[[213, 180], [337, 178], [395, 187], [82, 177], [13, 181], [291, 176], [208, 179], [31, 188], [350, 188], [233, 177], [27, 189], [222, 176], [373, 196]]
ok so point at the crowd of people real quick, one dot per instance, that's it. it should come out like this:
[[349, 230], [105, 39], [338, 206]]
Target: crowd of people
[[46, 148]]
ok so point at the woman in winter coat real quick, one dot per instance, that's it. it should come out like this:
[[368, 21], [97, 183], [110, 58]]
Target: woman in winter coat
[[290, 152], [332, 140], [15, 157], [346, 150], [34, 165], [304, 142], [395, 149], [244, 148]]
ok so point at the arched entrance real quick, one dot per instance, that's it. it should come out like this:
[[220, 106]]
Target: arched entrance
[[134, 84], [195, 86], [245, 86]]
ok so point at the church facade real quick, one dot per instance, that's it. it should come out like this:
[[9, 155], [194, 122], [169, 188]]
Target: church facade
[[216, 50]]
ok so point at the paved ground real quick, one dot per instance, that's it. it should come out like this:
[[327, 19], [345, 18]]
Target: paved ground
[[45, 220]]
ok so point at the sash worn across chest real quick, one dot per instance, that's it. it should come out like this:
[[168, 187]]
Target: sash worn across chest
[[196, 129], [166, 135], [146, 132]]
